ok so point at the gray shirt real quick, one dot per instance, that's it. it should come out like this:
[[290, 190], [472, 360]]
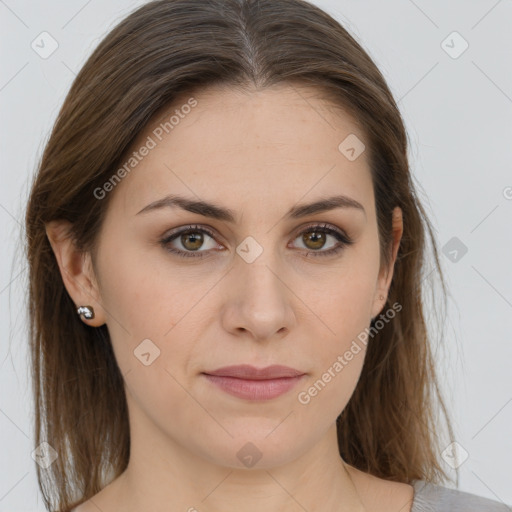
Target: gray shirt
[[436, 498]]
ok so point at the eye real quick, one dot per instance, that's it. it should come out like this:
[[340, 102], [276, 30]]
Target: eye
[[314, 237], [191, 239]]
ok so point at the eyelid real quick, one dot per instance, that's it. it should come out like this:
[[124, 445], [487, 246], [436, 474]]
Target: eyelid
[[213, 232], [320, 225], [192, 228]]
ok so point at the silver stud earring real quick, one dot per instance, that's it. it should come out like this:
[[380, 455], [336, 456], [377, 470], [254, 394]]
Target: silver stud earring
[[86, 311]]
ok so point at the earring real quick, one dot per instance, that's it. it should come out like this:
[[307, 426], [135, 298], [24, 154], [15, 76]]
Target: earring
[[86, 311], [381, 297]]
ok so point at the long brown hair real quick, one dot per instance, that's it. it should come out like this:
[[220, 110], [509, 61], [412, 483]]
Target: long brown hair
[[165, 48]]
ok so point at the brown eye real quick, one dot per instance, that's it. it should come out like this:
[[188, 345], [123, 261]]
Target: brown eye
[[314, 239], [192, 241]]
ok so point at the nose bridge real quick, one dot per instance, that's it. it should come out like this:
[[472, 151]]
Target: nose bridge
[[259, 301], [259, 268]]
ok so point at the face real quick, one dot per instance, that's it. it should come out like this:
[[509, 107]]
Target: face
[[258, 280]]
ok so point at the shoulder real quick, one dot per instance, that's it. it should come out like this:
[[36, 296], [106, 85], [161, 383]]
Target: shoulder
[[381, 495], [430, 497]]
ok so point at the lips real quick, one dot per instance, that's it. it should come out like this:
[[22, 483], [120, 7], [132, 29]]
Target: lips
[[250, 383]]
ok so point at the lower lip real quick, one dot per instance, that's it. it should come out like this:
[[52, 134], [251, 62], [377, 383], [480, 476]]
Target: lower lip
[[254, 389]]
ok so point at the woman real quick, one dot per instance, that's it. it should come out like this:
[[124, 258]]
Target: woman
[[226, 264]]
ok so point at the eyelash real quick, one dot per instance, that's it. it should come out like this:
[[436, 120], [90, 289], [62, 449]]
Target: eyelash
[[342, 238]]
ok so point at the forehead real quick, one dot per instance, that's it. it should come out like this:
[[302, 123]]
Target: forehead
[[277, 145]]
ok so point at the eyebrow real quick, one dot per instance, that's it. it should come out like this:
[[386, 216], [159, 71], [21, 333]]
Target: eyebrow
[[218, 212]]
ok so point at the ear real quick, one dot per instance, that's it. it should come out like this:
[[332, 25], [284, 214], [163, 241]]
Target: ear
[[386, 275], [76, 270]]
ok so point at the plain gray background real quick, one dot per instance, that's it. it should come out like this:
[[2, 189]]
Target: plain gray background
[[457, 106]]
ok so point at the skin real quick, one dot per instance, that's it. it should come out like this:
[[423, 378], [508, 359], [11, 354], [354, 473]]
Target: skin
[[258, 154]]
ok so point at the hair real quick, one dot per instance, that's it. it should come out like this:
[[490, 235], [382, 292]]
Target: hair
[[160, 51]]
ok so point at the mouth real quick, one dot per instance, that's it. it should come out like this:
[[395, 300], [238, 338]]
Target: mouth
[[250, 383]]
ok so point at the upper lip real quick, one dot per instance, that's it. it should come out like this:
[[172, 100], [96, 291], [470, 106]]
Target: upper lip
[[246, 371]]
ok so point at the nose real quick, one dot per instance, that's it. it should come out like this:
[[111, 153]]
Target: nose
[[259, 303]]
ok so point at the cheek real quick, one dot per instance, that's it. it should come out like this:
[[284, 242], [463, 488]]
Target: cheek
[[345, 300], [154, 314], [338, 361], [144, 296], [344, 308], [339, 355]]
